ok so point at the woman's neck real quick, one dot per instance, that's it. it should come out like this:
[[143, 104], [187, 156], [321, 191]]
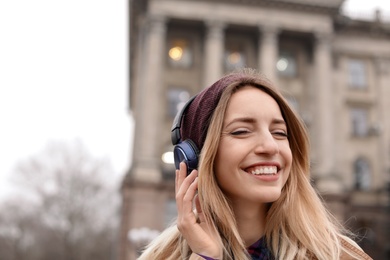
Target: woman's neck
[[250, 219]]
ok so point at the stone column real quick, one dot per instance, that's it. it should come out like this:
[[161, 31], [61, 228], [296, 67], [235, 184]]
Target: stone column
[[323, 107], [382, 121], [148, 114], [213, 54], [268, 51]]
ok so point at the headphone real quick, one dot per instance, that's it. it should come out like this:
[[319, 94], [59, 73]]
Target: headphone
[[184, 150]]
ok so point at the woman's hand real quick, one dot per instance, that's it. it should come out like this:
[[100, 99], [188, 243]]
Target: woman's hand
[[200, 237]]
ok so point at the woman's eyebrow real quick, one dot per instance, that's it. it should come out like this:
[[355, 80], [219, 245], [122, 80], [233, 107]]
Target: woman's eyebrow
[[277, 121], [249, 120]]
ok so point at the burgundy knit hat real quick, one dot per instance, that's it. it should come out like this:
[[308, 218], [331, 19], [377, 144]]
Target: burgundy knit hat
[[196, 119]]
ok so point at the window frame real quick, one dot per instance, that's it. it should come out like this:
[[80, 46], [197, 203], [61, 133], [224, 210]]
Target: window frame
[[357, 74], [362, 174], [359, 121]]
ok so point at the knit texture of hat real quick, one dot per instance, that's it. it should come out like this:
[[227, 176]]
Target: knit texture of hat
[[197, 118]]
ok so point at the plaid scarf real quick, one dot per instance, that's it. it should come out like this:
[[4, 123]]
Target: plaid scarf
[[259, 250]]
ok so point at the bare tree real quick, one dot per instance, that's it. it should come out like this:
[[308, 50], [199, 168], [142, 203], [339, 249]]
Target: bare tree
[[68, 207]]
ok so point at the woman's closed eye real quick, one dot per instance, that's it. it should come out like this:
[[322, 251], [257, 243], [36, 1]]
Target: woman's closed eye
[[280, 134], [240, 132]]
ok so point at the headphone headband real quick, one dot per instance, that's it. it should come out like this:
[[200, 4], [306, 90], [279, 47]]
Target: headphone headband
[[175, 130]]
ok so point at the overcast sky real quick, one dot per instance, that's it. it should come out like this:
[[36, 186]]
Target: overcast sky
[[63, 76]]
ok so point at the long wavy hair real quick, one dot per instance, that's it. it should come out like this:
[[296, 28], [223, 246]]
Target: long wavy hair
[[298, 226]]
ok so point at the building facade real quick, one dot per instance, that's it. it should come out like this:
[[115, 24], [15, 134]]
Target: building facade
[[334, 70]]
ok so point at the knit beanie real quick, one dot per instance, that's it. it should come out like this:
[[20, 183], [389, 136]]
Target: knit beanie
[[197, 118]]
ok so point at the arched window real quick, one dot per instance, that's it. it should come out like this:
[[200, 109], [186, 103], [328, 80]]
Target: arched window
[[362, 174]]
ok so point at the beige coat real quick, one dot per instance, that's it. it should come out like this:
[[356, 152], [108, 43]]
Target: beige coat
[[356, 249]]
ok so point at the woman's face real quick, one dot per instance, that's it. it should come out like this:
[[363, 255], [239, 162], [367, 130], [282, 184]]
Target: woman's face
[[254, 158]]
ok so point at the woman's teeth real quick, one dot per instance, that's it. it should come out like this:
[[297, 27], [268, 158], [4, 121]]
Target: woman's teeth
[[267, 170]]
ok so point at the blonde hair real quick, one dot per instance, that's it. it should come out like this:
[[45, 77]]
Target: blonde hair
[[298, 224]]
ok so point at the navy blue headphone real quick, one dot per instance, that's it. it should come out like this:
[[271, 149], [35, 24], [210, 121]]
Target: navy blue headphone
[[184, 150]]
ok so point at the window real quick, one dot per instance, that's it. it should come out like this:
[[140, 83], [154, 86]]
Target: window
[[287, 64], [357, 74], [234, 59], [176, 100], [362, 174], [359, 122], [180, 54]]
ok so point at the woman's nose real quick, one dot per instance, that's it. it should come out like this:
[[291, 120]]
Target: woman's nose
[[266, 144]]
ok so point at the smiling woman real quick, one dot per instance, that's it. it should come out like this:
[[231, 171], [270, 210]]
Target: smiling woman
[[260, 164], [250, 183]]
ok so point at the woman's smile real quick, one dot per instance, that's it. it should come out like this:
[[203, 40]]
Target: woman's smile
[[267, 169]]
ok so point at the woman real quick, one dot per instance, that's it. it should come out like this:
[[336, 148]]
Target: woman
[[252, 192]]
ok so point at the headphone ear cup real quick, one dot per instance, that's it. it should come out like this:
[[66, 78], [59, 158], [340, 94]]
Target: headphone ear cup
[[187, 152]]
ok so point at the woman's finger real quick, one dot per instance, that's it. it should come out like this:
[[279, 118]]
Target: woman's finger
[[191, 191], [180, 176], [185, 191], [199, 209]]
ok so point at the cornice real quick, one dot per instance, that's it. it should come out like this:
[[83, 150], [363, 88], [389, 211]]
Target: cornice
[[320, 6], [346, 25]]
